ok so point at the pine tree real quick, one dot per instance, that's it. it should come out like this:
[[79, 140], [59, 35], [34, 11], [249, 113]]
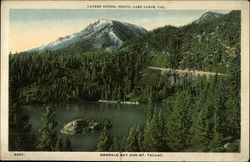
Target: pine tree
[[179, 123], [149, 109], [147, 137], [217, 140], [232, 112], [20, 136], [201, 128], [132, 141], [216, 101], [115, 147], [161, 136], [104, 140], [123, 143], [67, 144], [48, 135], [153, 138], [59, 145]]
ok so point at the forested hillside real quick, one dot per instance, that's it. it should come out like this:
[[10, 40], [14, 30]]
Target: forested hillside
[[208, 45], [202, 113]]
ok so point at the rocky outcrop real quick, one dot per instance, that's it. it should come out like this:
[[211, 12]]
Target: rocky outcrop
[[81, 126]]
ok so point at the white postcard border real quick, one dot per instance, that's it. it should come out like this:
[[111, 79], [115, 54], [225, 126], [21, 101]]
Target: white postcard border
[[95, 156]]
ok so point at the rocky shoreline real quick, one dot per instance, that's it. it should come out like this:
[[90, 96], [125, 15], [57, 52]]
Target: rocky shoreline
[[119, 102]]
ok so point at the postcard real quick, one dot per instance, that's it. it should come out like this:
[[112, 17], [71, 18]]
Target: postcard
[[125, 80]]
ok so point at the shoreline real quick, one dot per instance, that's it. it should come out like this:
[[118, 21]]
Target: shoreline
[[72, 102], [119, 102]]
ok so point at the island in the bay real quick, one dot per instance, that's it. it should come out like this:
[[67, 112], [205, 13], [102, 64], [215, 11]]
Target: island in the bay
[[80, 126]]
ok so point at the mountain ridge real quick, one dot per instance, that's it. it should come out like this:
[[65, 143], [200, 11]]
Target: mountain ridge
[[103, 34], [205, 46], [208, 16], [107, 34]]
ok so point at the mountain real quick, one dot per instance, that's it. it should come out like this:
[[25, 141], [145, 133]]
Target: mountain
[[103, 34], [208, 16], [207, 44]]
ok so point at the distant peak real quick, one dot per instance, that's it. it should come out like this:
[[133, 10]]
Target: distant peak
[[209, 13], [102, 34], [207, 16], [105, 21]]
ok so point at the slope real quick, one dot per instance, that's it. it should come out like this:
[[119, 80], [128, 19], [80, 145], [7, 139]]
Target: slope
[[103, 34]]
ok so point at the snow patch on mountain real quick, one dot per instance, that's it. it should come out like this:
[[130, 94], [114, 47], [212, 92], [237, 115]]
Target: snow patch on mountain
[[102, 34], [115, 38], [63, 39]]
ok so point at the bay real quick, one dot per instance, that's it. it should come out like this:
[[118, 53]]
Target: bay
[[122, 116]]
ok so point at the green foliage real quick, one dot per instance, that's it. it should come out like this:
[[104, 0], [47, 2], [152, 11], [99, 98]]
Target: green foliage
[[48, 137], [104, 140], [59, 144], [67, 144], [20, 136], [116, 145], [133, 140], [60, 76], [179, 122], [153, 135], [234, 146], [207, 45]]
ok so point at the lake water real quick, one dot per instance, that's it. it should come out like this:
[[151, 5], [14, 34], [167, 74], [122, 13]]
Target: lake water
[[122, 116]]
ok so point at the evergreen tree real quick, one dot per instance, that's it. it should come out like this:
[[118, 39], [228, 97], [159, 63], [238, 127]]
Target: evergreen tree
[[200, 129], [116, 145], [149, 110], [59, 145], [161, 129], [104, 140], [48, 136], [20, 136], [179, 123], [67, 144], [216, 102], [232, 119], [153, 136], [123, 143], [217, 140], [132, 141]]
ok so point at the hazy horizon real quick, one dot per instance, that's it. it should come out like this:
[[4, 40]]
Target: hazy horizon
[[31, 28]]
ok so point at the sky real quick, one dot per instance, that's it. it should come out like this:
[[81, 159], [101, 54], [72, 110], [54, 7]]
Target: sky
[[30, 28]]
